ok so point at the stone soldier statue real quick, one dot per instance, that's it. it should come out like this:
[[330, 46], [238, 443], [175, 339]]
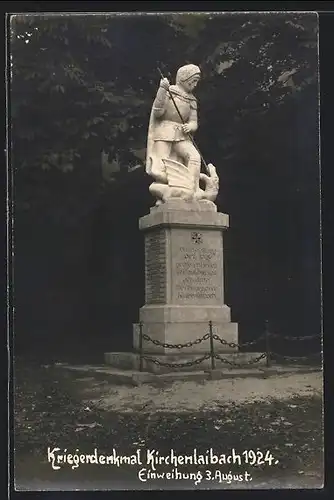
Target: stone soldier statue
[[172, 158]]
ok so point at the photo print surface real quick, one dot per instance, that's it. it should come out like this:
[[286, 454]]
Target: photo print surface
[[166, 287]]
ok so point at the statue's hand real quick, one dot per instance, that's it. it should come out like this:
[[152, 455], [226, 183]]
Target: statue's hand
[[164, 83], [211, 170], [186, 128]]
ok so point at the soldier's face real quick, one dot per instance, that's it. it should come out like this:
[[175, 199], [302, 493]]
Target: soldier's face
[[190, 84]]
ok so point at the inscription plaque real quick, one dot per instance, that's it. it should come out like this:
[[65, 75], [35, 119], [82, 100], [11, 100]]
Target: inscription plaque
[[197, 269], [155, 267]]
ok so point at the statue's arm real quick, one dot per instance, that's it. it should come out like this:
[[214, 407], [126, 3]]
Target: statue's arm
[[193, 120], [159, 104]]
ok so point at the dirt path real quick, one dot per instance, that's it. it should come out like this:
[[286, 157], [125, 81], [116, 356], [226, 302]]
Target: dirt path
[[61, 409], [192, 396]]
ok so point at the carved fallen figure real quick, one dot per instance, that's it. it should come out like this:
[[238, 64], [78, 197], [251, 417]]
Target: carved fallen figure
[[172, 158]]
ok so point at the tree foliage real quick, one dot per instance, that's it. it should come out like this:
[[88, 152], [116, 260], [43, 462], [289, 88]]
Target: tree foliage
[[81, 89], [83, 84]]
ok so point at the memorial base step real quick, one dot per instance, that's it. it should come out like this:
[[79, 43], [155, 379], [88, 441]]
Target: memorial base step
[[114, 376]]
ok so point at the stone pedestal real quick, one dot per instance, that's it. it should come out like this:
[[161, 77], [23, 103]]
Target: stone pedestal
[[184, 278]]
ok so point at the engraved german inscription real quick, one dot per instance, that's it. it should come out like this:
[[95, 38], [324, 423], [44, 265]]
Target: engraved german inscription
[[197, 272]]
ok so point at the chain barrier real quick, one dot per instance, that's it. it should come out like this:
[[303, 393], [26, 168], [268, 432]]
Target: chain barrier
[[211, 336], [234, 345], [282, 337], [178, 365], [252, 342], [176, 346], [247, 363], [296, 358]]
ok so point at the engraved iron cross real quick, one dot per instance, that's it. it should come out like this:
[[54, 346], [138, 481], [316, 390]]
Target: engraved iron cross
[[196, 237]]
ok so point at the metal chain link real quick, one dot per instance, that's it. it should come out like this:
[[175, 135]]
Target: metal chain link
[[306, 337], [230, 344], [232, 363], [177, 365], [176, 346], [295, 358], [252, 342], [233, 344], [223, 341]]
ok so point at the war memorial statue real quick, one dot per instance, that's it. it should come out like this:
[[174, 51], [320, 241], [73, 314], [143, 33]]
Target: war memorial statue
[[184, 256], [172, 158]]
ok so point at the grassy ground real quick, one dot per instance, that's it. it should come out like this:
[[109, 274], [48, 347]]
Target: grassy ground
[[55, 409]]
